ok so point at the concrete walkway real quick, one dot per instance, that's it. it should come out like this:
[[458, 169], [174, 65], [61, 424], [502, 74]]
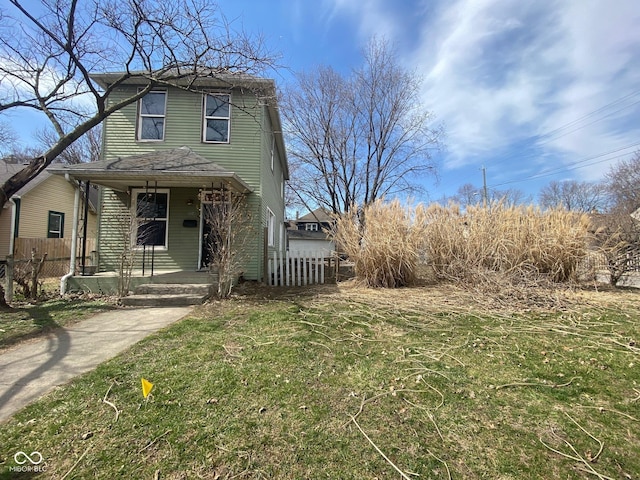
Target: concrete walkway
[[31, 369]]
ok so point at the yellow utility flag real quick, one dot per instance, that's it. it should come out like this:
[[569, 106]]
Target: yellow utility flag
[[146, 387]]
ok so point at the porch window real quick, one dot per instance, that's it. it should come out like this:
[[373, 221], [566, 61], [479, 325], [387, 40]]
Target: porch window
[[271, 227], [216, 118], [152, 216], [152, 113], [55, 226]]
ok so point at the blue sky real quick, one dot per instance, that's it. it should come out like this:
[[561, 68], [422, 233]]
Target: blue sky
[[534, 90]]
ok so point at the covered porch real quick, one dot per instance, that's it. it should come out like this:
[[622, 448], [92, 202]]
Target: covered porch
[[150, 218]]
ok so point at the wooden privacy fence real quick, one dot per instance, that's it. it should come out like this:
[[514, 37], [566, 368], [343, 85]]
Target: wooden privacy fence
[[299, 268], [58, 252]]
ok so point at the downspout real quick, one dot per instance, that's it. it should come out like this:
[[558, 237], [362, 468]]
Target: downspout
[[14, 215], [74, 238], [8, 292]]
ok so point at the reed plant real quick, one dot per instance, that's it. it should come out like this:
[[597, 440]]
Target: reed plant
[[389, 243], [383, 242], [523, 243]]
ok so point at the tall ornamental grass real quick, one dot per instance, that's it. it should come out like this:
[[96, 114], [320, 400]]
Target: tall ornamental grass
[[388, 243], [383, 241], [520, 242]]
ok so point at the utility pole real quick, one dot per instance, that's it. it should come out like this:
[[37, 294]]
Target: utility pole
[[485, 197]]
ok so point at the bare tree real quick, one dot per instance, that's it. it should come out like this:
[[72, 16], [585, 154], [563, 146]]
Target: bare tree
[[85, 149], [228, 230], [49, 51], [618, 240], [469, 194], [356, 139], [7, 139], [623, 185], [573, 195]]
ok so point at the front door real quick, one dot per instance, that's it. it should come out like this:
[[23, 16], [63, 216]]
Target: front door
[[209, 239]]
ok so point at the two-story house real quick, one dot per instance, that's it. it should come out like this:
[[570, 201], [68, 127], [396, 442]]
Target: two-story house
[[171, 152]]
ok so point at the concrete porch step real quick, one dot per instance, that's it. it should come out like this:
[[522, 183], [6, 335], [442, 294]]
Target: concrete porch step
[[167, 300], [168, 294], [173, 289]]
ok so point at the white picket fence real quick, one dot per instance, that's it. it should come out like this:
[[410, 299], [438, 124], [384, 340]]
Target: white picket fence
[[297, 268]]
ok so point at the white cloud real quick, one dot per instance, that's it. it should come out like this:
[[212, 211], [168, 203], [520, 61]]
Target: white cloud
[[374, 17], [500, 73], [554, 64]]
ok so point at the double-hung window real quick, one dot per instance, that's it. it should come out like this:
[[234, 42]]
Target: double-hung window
[[216, 118], [55, 227], [271, 228], [152, 215], [151, 116]]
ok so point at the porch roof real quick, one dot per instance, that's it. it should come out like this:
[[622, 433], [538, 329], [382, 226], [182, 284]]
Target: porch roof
[[178, 167]]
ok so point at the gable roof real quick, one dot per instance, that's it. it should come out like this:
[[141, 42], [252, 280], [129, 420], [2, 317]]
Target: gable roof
[[8, 170], [318, 215], [175, 167]]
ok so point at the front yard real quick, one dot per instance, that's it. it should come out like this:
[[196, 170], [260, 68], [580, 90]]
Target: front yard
[[345, 382], [27, 320]]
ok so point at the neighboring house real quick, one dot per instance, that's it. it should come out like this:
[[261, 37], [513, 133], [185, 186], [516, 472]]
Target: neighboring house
[[308, 234], [41, 209], [171, 152]]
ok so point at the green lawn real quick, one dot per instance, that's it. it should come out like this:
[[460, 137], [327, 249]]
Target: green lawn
[[357, 384], [25, 320]]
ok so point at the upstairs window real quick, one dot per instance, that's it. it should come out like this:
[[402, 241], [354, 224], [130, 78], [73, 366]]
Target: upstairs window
[[216, 118], [55, 227], [311, 227], [152, 215], [152, 113], [271, 228], [273, 150]]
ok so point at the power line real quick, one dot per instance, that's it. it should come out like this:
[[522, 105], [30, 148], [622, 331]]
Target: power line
[[584, 117], [550, 136], [586, 125], [571, 166]]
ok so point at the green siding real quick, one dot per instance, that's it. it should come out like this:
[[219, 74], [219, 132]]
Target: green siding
[[184, 127], [271, 184], [248, 154], [182, 243]]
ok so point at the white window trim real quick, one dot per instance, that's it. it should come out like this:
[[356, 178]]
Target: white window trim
[[146, 115], [59, 233], [273, 151], [311, 227], [205, 117], [134, 208], [271, 228]]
